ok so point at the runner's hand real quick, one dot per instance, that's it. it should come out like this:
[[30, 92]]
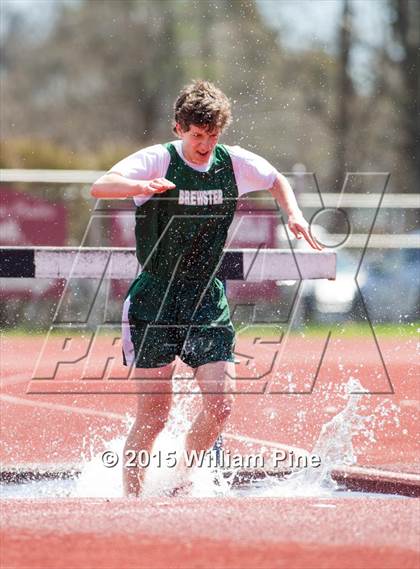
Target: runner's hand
[[156, 186], [300, 227]]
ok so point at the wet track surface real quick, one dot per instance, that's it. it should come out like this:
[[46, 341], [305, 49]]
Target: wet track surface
[[203, 533], [336, 531]]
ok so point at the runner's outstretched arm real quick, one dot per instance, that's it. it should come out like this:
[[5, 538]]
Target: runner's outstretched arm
[[283, 194], [115, 186]]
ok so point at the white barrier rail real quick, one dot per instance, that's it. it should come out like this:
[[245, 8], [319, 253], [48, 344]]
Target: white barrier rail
[[251, 265]]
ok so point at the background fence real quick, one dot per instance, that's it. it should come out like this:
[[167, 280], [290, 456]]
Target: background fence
[[373, 234]]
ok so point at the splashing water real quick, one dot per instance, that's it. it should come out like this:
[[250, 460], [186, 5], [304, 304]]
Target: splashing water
[[97, 481], [334, 446], [335, 442]]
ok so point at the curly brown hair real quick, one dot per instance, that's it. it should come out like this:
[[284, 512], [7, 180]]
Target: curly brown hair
[[202, 104]]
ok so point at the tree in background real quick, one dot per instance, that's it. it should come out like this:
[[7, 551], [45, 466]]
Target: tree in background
[[100, 79], [107, 73], [405, 96], [344, 96]]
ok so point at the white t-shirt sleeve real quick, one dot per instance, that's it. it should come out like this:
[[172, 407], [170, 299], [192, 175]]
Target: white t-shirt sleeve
[[252, 172], [145, 164]]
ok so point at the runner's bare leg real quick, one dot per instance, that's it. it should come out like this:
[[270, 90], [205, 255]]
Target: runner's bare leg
[[216, 380], [153, 407]]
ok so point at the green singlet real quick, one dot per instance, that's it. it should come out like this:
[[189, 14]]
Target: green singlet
[[176, 307], [183, 231]]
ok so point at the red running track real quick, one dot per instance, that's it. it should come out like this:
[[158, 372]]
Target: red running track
[[231, 533], [60, 424], [241, 533]]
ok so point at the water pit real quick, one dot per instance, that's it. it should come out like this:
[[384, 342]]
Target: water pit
[[336, 476]]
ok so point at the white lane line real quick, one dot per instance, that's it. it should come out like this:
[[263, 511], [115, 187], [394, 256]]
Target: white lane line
[[17, 378], [118, 416], [410, 403], [60, 407]]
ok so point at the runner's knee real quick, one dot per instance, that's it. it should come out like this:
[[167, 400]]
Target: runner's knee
[[151, 425], [152, 413], [220, 409]]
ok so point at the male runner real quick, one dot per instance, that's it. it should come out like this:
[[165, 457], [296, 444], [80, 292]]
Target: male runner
[[186, 193]]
